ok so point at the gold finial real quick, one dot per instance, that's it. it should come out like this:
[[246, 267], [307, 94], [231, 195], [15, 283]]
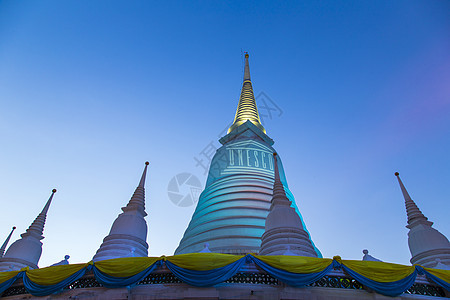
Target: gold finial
[[147, 163], [247, 110], [397, 173], [54, 191], [274, 154]]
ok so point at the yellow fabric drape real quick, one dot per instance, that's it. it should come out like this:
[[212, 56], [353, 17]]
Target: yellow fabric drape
[[203, 261], [379, 271], [126, 266], [441, 274], [53, 275], [296, 264], [129, 266], [4, 276]]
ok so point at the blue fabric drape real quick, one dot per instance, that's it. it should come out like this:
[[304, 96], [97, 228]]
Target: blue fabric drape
[[44, 290], [206, 278], [5, 285], [392, 289], [437, 280], [276, 267], [119, 282], [293, 279]]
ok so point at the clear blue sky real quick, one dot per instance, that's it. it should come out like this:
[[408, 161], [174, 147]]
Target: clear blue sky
[[90, 90]]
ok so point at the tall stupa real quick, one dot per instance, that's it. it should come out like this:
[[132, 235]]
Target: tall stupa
[[231, 212]]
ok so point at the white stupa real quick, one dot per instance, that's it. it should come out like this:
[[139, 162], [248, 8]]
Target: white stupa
[[231, 211], [3, 248], [26, 251], [427, 245], [128, 233], [284, 233]]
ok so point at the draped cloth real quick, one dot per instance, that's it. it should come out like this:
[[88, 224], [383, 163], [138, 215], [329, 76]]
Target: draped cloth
[[209, 269], [294, 270], [204, 269], [384, 278], [122, 272]]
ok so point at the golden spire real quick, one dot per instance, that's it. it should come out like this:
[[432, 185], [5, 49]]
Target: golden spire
[[246, 109]]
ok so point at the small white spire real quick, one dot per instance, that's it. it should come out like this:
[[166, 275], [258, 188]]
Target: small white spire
[[284, 229], [440, 265], [279, 194], [3, 248], [368, 257], [137, 201], [26, 251], [289, 252], [205, 249], [129, 230], [37, 227], [65, 261], [412, 211]]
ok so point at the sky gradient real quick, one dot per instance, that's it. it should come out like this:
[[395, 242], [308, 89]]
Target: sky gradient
[[90, 90]]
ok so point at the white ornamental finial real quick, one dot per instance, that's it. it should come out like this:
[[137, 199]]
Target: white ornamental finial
[[368, 257], [205, 249], [289, 252], [65, 261], [440, 265]]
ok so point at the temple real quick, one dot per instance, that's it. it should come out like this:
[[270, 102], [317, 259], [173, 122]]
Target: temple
[[247, 209], [232, 209]]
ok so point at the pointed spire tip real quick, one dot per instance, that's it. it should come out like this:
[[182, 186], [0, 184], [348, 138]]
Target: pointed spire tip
[[396, 173]]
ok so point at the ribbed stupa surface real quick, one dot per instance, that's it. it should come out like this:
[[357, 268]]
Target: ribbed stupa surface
[[232, 210]]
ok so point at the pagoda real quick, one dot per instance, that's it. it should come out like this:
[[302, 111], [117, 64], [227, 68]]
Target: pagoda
[[428, 247], [232, 209]]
